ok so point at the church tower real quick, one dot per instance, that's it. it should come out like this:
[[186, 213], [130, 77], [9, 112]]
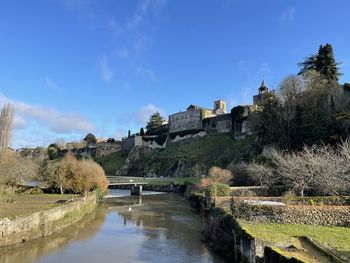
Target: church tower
[[220, 105], [262, 92]]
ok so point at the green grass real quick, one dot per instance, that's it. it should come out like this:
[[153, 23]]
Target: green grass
[[333, 238], [219, 147], [178, 181], [112, 162]]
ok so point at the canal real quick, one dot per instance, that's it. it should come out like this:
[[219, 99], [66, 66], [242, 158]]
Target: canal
[[155, 227]]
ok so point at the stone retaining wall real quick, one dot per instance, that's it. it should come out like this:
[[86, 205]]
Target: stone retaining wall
[[46, 222], [318, 215]]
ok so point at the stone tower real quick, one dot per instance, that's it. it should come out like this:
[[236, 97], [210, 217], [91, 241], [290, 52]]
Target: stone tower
[[220, 105], [263, 91]]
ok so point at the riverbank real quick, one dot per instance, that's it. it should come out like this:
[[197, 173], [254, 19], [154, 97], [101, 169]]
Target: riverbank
[[46, 221], [244, 241]]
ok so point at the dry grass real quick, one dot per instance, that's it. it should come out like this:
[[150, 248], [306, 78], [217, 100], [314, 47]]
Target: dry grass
[[27, 204]]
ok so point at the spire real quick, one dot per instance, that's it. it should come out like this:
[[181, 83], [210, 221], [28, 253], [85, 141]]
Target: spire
[[263, 88]]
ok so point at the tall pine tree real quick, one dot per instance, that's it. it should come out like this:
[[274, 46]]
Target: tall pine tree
[[155, 121], [323, 62]]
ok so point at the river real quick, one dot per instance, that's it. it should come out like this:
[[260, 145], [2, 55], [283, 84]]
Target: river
[[155, 227]]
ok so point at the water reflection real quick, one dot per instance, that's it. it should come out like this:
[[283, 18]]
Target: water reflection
[[152, 228]]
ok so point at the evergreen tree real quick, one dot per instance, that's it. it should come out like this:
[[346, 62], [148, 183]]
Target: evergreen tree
[[326, 64], [155, 121], [323, 62], [142, 132], [90, 138], [129, 134]]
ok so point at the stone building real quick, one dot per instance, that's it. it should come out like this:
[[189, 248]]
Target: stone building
[[263, 91], [192, 118], [105, 148], [220, 123]]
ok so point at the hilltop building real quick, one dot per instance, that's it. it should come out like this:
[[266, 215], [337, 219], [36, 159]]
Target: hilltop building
[[263, 91], [192, 118]]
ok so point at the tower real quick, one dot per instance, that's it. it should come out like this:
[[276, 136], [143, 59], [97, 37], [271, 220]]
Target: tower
[[220, 105], [263, 90]]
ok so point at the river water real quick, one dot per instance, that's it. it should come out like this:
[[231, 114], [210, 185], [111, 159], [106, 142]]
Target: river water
[[155, 227]]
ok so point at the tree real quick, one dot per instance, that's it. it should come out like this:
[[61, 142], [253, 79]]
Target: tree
[[6, 121], [142, 131], [267, 123], [155, 121], [290, 91], [52, 151], [129, 134], [261, 174], [75, 176], [323, 62], [15, 170], [90, 138], [111, 140]]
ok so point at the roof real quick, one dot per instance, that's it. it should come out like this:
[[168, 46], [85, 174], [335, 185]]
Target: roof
[[196, 107]]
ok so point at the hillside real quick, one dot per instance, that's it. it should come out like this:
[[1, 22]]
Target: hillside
[[192, 157], [112, 162]]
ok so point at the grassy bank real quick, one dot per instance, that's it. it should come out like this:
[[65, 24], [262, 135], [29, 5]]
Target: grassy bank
[[333, 239], [112, 162], [22, 204]]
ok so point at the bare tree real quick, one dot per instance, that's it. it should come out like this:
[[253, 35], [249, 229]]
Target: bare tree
[[260, 173], [298, 169], [6, 121], [323, 168]]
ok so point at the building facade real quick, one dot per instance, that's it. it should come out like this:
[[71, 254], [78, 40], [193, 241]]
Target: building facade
[[192, 118]]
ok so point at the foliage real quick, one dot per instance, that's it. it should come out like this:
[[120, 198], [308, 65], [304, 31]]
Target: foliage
[[261, 174], [112, 162], [155, 121], [110, 140], [267, 123], [76, 176], [90, 138], [323, 168], [142, 132], [324, 63], [305, 110], [218, 189], [52, 151], [16, 170], [237, 113], [218, 175]]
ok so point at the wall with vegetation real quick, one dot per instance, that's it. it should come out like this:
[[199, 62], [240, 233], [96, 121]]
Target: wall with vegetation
[[46, 222], [308, 214]]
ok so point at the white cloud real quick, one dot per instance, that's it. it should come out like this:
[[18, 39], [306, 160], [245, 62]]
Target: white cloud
[[149, 73], [288, 15], [52, 85], [106, 71], [143, 114], [56, 122]]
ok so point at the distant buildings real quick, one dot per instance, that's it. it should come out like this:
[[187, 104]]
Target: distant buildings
[[192, 118], [199, 121]]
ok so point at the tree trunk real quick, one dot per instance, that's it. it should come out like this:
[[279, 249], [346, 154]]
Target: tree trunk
[[61, 190]]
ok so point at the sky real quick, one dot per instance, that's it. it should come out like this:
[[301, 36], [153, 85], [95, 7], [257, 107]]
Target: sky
[[71, 67]]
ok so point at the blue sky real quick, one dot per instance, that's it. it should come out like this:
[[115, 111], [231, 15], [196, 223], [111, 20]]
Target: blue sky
[[78, 66]]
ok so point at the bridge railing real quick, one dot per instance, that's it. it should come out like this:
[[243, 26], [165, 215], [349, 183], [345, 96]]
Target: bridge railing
[[133, 180]]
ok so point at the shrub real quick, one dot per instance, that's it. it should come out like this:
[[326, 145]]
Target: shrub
[[76, 176], [240, 174], [218, 175], [218, 189], [222, 190]]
